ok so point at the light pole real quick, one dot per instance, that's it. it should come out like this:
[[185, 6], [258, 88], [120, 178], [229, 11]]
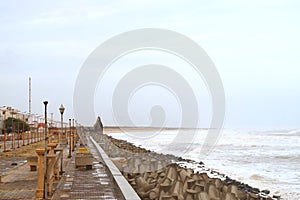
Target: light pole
[[23, 129], [12, 132], [38, 119], [70, 139], [18, 134], [13, 140], [4, 128], [45, 146], [73, 132], [61, 110]]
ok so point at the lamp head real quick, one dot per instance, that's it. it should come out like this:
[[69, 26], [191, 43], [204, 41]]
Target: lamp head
[[61, 109]]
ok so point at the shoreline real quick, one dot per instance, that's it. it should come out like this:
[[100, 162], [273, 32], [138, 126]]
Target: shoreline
[[113, 129], [213, 183]]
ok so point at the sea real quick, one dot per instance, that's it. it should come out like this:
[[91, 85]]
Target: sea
[[265, 159]]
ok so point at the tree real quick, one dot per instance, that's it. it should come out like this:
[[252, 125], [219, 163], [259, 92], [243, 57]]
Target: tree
[[13, 123]]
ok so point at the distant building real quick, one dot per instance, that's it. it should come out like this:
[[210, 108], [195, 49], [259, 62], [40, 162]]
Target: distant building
[[11, 112]]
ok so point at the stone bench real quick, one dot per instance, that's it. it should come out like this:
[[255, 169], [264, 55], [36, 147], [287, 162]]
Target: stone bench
[[32, 162], [84, 158]]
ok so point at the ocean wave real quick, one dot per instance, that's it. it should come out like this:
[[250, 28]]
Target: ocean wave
[[266, 159], [257, 177]]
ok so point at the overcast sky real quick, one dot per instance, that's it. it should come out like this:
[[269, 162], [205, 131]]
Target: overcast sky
[[254, 45]]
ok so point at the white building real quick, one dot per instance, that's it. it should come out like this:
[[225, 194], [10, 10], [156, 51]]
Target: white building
[[6, 112]]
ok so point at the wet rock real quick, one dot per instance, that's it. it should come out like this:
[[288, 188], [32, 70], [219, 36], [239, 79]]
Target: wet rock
[[266, 191], [276, 196], [254, 195]]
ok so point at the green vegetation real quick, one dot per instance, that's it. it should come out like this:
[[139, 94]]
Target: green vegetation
[[16, 124]]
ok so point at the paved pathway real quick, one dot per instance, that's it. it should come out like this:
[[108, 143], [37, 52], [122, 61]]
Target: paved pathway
[[87, 184], [6, 164], [19, 183]]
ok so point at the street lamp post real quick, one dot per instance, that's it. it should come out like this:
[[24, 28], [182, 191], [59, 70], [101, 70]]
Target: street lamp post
[[13, 141], [70, 139], [4, 127], [73, 132], [31, 128], [18, 135], [38, 119], [61, 110], [45, 146], [12, 133], [30, 136], [23, 130], [26, 132]]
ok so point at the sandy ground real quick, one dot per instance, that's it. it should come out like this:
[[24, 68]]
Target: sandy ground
[[23, 151]]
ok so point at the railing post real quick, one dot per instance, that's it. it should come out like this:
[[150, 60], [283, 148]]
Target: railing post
[[41, 181]]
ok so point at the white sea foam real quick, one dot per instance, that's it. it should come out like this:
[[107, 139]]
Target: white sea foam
[[263, 159]]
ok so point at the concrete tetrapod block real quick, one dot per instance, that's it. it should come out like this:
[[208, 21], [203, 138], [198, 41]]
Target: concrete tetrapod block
[[190, 194], [165, 187], [213, 192], [150, 176], [253, 196], [153, 164], [172, 171], [190, 183], [119, 162], [195, 177], [241, 195], [225, 189], [202, 196], [153, 194], [203, 184], [143, 184], [198, 187], [233, 189], [218, 183], [166, 197], [204, 177], [177, 190], [144, 167], [230, 196], [183, 174]]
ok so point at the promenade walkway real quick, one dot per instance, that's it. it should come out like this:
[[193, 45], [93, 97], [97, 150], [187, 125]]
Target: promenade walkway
[[18, 182], [79, 183]]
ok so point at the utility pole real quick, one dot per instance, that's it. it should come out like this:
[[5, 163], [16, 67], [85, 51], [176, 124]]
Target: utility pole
[[29, 105]]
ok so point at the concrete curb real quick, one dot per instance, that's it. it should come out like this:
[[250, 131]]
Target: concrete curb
[[126, 189]]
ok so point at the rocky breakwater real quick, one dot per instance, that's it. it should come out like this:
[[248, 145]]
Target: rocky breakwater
[[158, 176]]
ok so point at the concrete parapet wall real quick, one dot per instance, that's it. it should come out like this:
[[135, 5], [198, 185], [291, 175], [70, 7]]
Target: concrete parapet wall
[[123, 185]]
